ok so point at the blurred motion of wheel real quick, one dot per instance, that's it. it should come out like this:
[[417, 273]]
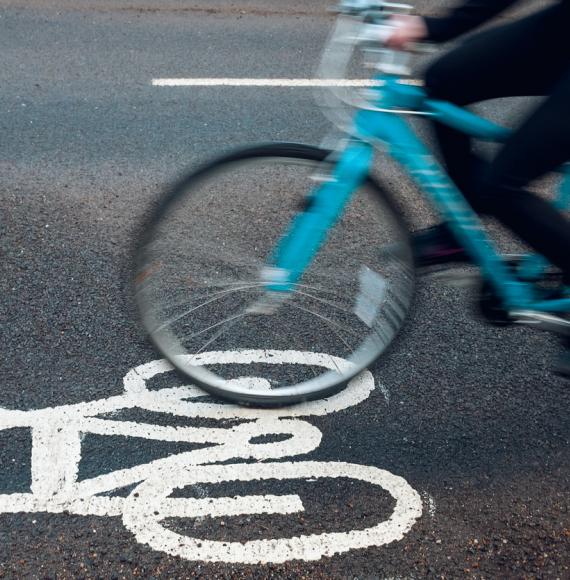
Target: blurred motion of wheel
[[200, 268]]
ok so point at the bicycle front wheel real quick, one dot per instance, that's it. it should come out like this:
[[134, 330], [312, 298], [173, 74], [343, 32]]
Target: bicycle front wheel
[[200, 271]]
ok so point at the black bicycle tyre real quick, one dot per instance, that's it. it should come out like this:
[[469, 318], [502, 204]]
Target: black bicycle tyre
[[181, 188]]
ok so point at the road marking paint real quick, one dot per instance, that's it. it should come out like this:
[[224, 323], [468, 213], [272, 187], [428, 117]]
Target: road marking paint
[[142, 514], [231, 445], [136, 385], [283, 82], [148, 505], [30, 503], [187, 400], [230, 506], [57, 435]]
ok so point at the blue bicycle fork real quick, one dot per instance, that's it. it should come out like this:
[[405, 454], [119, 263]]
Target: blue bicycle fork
[[324, 206]]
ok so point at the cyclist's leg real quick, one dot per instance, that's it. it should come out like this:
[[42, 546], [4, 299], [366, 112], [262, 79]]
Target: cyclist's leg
[[496, 63], [539, 145], [520, 58]]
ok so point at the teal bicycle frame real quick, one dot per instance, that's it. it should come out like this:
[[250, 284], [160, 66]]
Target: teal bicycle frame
[[309, 229]]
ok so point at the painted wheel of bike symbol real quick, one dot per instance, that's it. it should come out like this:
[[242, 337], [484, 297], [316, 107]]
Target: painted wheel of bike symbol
[[144, 511]]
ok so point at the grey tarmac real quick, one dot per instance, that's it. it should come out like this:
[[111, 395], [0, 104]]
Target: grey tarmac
[[468, 414]]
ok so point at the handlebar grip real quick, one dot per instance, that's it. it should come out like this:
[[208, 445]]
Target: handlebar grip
[[359, 6], [380, 33]]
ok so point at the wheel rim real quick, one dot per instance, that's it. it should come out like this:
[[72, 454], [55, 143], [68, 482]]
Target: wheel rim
[[199, 272]]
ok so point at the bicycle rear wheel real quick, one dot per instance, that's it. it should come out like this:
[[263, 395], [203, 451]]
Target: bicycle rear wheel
[[199, 272]]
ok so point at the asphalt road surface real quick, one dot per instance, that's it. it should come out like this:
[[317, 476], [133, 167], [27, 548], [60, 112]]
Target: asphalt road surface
[[449, 459]]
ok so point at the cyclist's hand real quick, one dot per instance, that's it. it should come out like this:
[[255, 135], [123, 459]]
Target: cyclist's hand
[[407, 30]]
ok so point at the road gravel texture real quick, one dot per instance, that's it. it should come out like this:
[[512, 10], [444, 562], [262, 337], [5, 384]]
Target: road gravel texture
[[469, 415]]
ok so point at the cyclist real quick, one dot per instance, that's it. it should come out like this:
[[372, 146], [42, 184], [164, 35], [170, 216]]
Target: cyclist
[[526, 57]]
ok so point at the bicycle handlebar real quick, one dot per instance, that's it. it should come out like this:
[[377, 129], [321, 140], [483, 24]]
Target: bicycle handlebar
[[357, 7], [363, 25]]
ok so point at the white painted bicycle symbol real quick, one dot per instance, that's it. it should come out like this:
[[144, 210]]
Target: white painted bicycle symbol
[[56, 452]]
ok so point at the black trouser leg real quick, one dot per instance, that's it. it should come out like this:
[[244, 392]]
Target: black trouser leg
[[527, 57], [539, 145]]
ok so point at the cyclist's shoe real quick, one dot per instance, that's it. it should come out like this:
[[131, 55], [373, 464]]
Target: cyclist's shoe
[[437, 245]]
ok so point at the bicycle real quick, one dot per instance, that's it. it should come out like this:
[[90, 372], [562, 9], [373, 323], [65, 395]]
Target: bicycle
[[244, 254]]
